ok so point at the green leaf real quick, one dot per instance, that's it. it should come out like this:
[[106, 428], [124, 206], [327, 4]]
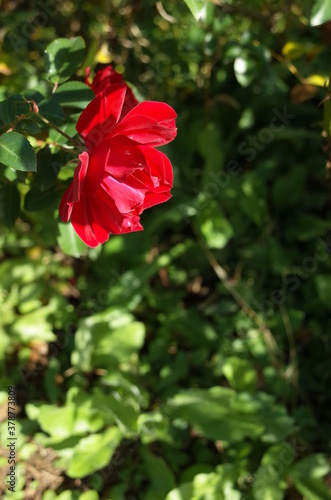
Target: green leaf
[[74, 95], [33, 95], [220, 413], [161, 476], [63, 58], [214, 226], [208, 411], [246, 70], [120, 409], [69, 241], [48, 169], [311, 488], [49, 495], [51, 109], [117, 345], [315, 466], [16, 152], [34, 326], [100, 344], [81, 414], [307, 476], [12, 175], [10, 203], [19, 272], [185, 492], [253, 199], [89, 495], [29, 127], [240, 373], [198, 8], [94, 452], [65, 495], [323, 286], [7, 112], [36, 200], [321, 12], [215, 485], [270, 478], [13, 107], [308, 227], [57, 422], [68, 128]]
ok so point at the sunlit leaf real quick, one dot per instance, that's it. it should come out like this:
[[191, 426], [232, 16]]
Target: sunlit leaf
[[321, 12], [63, 58], [16, 152]]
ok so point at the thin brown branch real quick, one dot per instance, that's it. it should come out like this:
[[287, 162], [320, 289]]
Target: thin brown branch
[[70, 139], [289, 66], [243, 304]]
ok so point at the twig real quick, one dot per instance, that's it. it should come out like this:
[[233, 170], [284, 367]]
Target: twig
[[50, 124], [222, 275], [69, 149], [164, 14], [289, 66]]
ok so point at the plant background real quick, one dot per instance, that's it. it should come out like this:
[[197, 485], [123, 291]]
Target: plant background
[[191, 360]]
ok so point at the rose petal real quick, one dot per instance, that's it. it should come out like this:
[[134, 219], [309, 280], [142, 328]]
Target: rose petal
[[82, 224], [66, 204], [79, 175], [108, 76], [104, 77], [126, 198], [124, 158], [152, 199], [110, 218], [106, 213], [151, 123], [101, 115], [159, 165]]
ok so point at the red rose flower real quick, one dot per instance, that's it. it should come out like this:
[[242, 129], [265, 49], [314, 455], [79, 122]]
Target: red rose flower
[[121, 173], [108, 76]]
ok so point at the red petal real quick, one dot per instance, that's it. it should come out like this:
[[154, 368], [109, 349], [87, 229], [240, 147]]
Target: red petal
[[104, 77], [151, 123], [100, 233], [101, 115], [97, 161], [157, 177], [105, 211], [108, 76], [66, 204], [131, 224], [87, 76], [124, 158], [129, 103], [86, 228], [152, 199], [125, 197], [79, 175], [159, 165]]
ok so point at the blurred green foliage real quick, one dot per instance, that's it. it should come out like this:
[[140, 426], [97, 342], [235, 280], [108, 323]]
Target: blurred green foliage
[[189, 361]]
